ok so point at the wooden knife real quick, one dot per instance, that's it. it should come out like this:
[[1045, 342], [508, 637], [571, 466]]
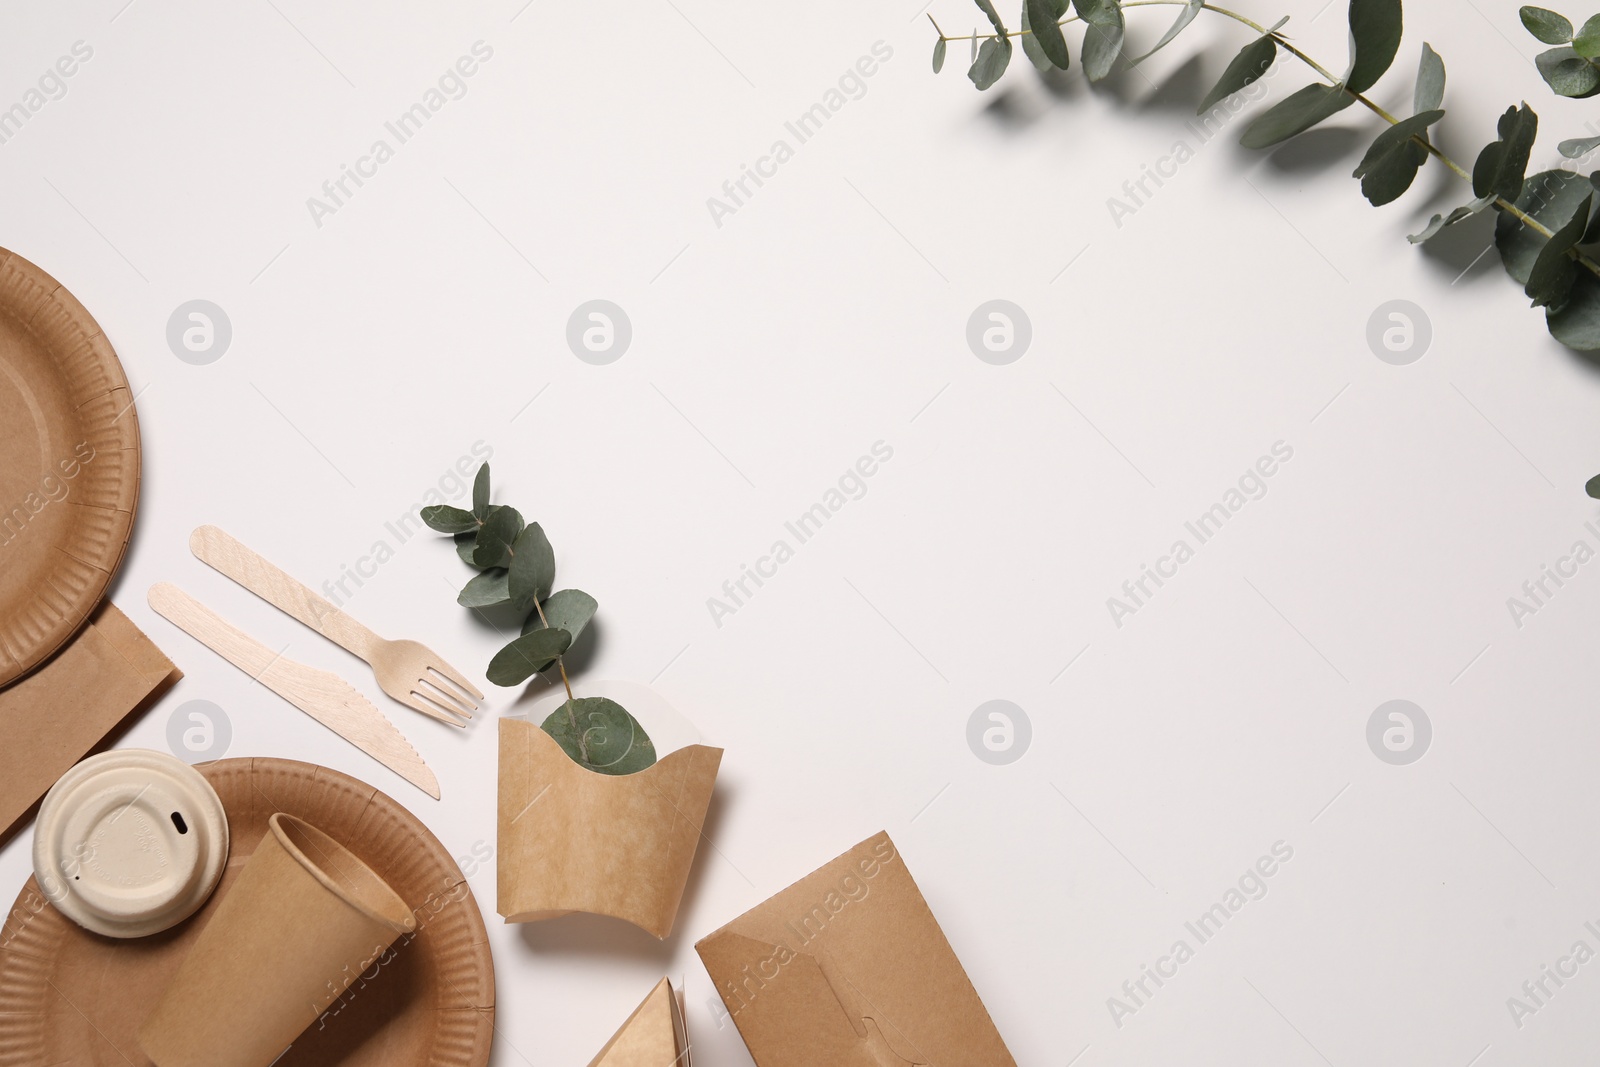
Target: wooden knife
[[324, 696]]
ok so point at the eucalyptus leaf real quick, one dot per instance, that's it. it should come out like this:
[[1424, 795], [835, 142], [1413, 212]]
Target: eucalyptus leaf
[[527, 656], [1375, 30], [987, 7], [1103, 35], [1502, 164], [1554, 271], [1030, 43], [499, 532], [533, 566], [1040, 17], [1577, 325], [446, 519], [466, 546], [480, 494], [1592, 487], [1296, 114], [1550, 198], [600, 734], [1186, 16], [1253, 60], [1568, 73], [1430, 81], [570, 610], [993, 57], [1391, 164], [486, 590], [1438, 223], [1101, 47], [1587, 42], [938, 54], [1546, 25], [1578, 146]]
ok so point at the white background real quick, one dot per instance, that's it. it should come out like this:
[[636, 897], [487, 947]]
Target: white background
[[828, 313]]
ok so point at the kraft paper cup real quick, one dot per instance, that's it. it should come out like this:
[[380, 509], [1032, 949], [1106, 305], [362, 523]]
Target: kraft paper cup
[[130, 842], [304, 920]]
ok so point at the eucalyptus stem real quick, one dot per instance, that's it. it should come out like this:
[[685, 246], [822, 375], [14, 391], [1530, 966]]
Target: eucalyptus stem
[[1500, 203], [561, 665]]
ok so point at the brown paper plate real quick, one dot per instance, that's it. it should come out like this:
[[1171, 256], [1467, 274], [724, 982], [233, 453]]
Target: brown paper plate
[[69, 996], [69, 465]]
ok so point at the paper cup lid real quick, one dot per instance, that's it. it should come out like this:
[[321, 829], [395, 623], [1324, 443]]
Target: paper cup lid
[[130, 842]]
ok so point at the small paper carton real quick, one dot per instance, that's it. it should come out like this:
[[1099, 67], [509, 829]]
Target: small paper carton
[[849, 968], [653, 1036], [572, 839], [302, 923]]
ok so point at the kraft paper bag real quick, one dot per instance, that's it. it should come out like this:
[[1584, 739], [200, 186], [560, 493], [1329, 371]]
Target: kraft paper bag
[[572, 839], [305, 919], [58, 714], [653, 1036], [848, 967]]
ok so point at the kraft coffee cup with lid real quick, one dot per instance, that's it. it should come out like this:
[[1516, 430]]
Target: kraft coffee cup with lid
[[130, 842]]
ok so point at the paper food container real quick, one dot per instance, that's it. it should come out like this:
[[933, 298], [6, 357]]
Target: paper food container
[[849, 968], [653, 1036], [304, 921], [574, 840]]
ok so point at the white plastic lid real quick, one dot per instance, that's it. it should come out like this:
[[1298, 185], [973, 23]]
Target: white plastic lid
[[130, 842]]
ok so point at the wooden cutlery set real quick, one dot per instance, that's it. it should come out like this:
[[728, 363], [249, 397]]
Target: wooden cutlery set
[[408, 672]]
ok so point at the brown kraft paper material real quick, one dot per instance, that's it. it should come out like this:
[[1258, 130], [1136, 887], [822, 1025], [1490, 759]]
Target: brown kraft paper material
[[653, 1036], [69, 466], [573, 840], [71, 997], [301, 925], [848, 967], [58, 714]]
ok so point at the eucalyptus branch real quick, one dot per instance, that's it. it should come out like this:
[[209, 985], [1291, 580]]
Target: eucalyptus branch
[[1500, 202], [516, 571], [1555, 271]]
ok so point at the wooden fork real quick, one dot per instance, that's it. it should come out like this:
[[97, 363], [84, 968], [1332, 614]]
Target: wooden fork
[[407, 671]]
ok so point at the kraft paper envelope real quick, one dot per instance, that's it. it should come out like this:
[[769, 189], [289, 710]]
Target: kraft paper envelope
[[653, 1036], [57, 715], [849, 968]]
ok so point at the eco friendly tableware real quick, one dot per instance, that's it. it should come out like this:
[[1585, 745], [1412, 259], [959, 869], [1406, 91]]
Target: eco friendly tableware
[[68, 996], [572, 839], [324, 696], [305, 920], [69, 465], [108, 673], [849, 967], [130, 842], [409, 672], [653, 1036]]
